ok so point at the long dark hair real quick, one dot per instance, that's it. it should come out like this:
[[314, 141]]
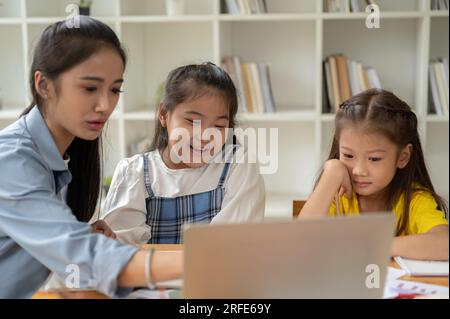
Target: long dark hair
[[382, 112], [61, 47], [186, 83]]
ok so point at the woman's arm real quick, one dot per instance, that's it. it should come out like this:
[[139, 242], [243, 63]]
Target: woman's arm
[[166, 265], [334, 179], [432, 245], [35, 220], [45, 235]]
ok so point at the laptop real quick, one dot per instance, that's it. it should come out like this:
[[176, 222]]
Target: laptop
[[341, 257]]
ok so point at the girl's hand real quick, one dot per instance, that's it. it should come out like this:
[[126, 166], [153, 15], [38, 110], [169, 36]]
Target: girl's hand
[[335, 170], [335, 180], [102, 227]]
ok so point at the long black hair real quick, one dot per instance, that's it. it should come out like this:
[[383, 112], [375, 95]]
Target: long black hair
[[62, 46], [187, 82], [382, 112]]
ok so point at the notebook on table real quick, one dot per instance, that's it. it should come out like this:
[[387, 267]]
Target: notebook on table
[[423, 267]]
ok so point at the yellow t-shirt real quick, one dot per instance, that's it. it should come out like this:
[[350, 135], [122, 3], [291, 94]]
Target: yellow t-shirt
[[423, 212]]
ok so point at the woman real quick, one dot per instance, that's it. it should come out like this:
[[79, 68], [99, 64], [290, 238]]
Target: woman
[[50, 171]]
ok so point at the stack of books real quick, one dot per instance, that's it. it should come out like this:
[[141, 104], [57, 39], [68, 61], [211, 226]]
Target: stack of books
[[439, 97], [344, 77], [347, 6], [252, 81], [439, 4], [238, 7]]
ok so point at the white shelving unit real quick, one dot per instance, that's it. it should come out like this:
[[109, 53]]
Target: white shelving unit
[[293, 37]]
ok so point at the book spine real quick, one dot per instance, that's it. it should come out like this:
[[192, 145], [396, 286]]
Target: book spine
[[335, 81], [247, 87], [440, 86], [344, 87], [240, 86], [329, 85], [434, 91], [257, 87]]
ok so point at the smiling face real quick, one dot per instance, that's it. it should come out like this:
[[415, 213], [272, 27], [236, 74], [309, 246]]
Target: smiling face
[[81, 99], [204, 120], [371, 159]]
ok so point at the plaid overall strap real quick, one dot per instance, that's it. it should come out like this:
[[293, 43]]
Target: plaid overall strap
[[167, 215], [148, 185]]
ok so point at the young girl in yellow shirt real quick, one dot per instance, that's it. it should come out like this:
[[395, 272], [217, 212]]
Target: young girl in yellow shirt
[[376, 163]]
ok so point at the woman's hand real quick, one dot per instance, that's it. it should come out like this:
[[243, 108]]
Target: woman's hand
[[102, 227]]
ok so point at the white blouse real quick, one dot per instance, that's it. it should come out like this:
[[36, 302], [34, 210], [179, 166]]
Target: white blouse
[[125, 209]]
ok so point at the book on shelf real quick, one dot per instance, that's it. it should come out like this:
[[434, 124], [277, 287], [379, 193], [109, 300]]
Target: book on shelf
[[373, 78], [245, 88], [347, 6], [344, 78], [438, 83], [355, 85], [334, 83], [440, 4], [269, 103], [240, 7], [257, 88], [327, 97], [233, 67], [253, 84]]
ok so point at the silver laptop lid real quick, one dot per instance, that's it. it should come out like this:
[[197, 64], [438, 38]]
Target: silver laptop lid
[[341, 257]]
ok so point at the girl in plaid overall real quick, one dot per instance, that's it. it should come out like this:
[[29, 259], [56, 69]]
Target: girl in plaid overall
[[167, 215]]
